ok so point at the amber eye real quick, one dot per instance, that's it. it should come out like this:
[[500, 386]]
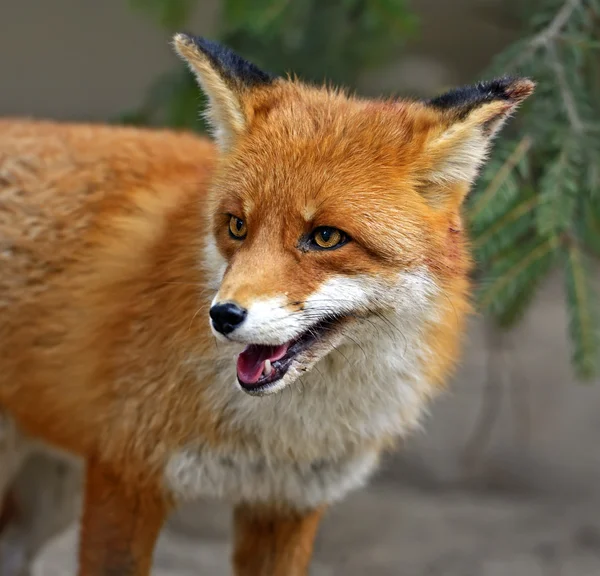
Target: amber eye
[[237, 228], [327, 238]]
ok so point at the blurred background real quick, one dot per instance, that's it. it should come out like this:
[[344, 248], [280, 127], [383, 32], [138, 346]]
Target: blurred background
[[504, 479]]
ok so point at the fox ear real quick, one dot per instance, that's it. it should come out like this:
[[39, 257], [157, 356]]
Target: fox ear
[[466, 121], [227, 80]]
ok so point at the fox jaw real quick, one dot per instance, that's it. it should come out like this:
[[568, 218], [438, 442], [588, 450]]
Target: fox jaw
[[335, 220]]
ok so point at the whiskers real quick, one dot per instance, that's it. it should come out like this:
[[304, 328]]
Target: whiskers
[[339, 308]]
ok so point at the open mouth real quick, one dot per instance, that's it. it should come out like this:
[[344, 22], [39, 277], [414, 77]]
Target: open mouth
[[259, 367]]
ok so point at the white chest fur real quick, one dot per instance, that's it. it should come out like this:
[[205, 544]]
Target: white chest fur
[[314, 441], [252, 477]]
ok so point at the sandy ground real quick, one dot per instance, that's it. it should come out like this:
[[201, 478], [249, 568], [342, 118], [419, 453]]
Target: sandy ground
[[395, 528]]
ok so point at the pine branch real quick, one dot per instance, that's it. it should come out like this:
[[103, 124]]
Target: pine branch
[[505, 230], [591, 227], [558, 192], [521, 221], [545, 37], [513, 272], [567, 95], [500, 177], [557, 24], [583, 313]]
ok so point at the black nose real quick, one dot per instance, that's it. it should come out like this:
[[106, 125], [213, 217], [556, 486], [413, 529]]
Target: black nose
[[226, 317]]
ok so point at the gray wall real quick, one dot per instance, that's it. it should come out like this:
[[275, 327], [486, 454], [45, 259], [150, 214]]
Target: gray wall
[[81, 59]]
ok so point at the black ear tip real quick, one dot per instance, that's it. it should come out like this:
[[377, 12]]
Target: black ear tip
[[205, 45], [513, 90], [507, 88], [222, 58]]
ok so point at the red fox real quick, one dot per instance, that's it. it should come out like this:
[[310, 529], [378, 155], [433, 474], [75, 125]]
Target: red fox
[[255, 319]]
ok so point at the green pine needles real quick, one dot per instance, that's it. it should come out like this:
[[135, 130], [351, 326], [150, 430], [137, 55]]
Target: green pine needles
[[537, 206]]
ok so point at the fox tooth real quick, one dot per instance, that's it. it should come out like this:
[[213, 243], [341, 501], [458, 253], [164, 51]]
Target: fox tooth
[[268, 368]]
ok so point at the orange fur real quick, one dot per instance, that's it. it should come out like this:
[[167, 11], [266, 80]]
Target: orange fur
[[119, 526], [105, 346], [289, 535]]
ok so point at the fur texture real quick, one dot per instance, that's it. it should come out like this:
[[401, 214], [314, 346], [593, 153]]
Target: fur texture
[[115, 242]]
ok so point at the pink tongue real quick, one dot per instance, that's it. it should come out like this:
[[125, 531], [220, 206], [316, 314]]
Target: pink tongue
[[251, 361]]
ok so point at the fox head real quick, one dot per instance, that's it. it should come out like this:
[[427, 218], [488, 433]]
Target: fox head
[[335, 216]]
